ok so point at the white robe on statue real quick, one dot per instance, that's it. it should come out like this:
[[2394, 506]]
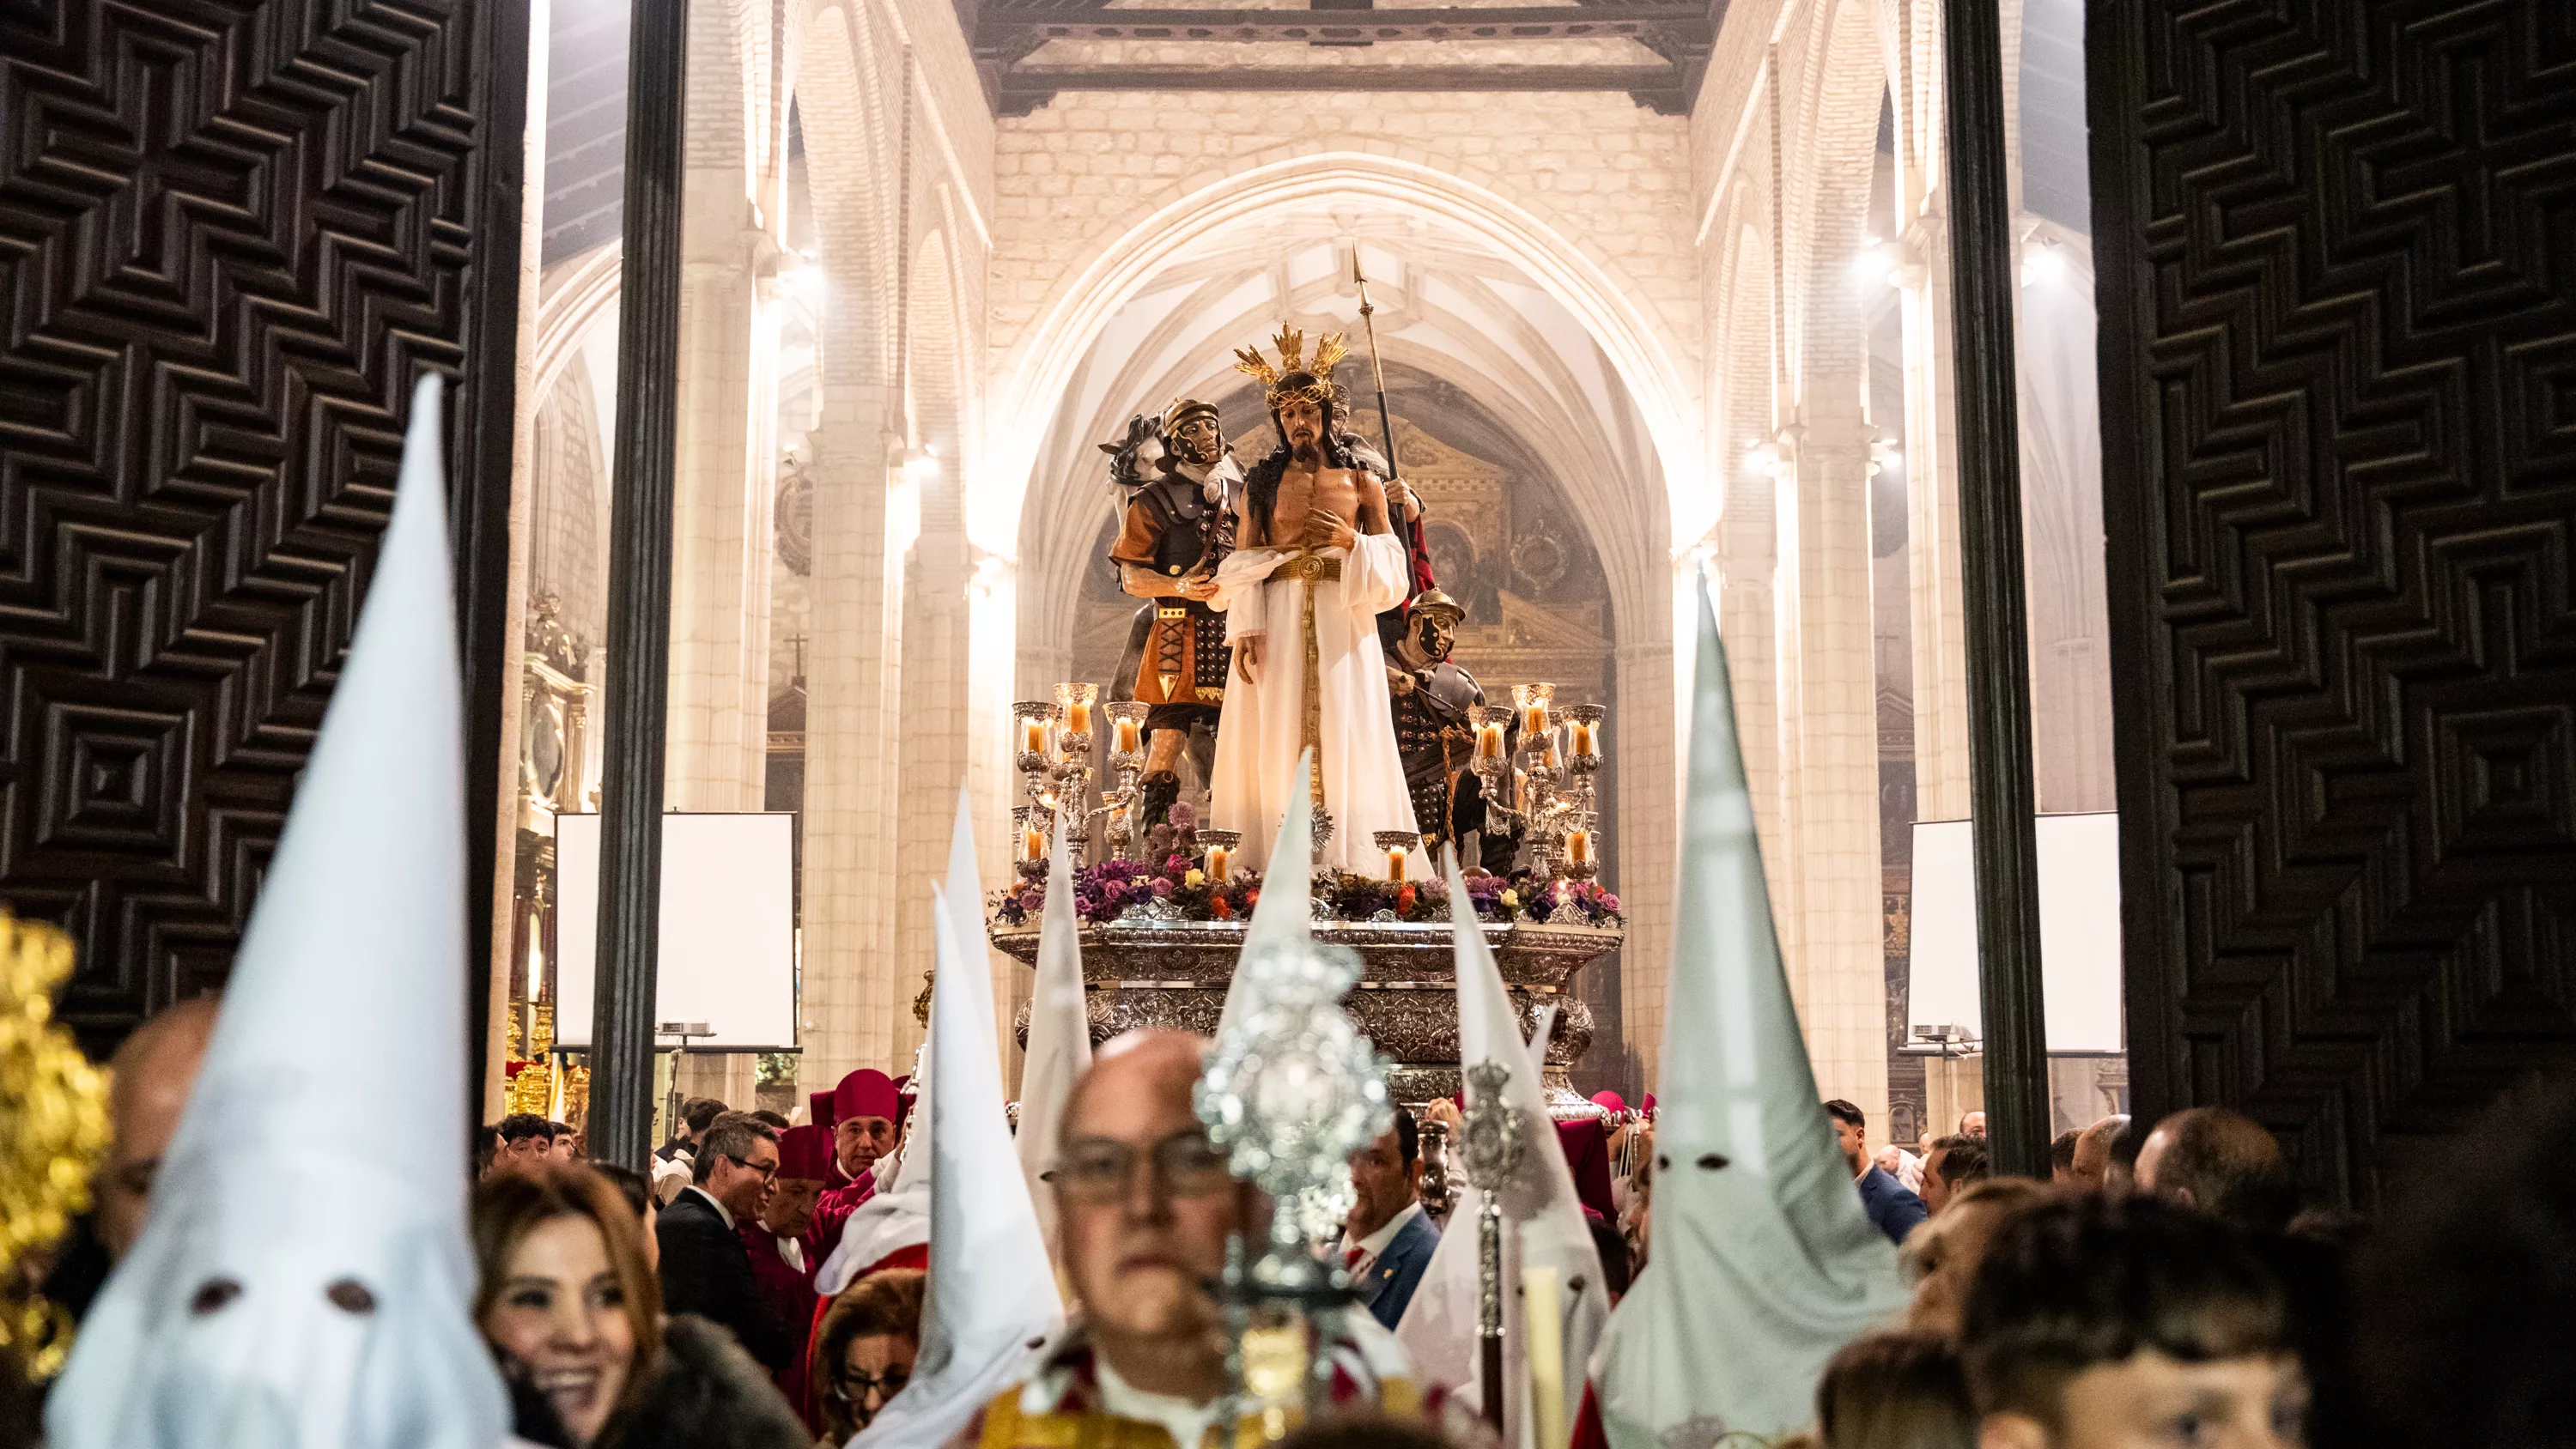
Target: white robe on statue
[[1262, 727]]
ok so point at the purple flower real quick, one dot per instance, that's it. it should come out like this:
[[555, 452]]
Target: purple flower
[[1162, 887], [1033, 899], [1182, 816], [1609, 902]]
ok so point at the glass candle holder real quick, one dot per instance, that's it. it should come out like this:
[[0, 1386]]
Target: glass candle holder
[[1221, 845], [1583, 735], [1078, 702], [1126, 731], [1491, 743], [1032, 725], [1532, 701], [1397, 844]]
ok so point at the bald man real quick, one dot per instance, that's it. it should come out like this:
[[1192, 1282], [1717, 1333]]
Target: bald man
[[149, 1080], [2091, 1170], [1145, 1203], [2224, 1163]]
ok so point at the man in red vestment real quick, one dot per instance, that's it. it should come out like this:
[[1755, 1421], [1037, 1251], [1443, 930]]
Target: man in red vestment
[[781, 1244], [866, 1113]]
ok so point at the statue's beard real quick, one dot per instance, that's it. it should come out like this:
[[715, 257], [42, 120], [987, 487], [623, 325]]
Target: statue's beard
[[1306, 450]]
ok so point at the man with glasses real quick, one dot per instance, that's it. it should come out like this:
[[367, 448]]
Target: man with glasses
[[705, 1268], [1145, 1205]]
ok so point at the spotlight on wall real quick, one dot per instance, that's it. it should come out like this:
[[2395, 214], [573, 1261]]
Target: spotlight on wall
[[921, 465], [804, 283]]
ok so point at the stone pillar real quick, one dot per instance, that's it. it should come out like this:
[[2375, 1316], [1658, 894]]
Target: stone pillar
[[1838, 972], [933, 724], [852, 995], [1642, 732], [1932, 534]]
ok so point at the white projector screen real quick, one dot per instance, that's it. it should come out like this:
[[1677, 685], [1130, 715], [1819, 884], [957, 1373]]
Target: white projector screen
[[2079, 931], [728, 954]]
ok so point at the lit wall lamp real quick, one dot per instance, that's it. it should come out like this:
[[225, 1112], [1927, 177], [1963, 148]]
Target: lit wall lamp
[[921, 465]]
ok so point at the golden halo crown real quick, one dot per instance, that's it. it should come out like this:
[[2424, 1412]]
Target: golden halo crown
[[1290, 343]]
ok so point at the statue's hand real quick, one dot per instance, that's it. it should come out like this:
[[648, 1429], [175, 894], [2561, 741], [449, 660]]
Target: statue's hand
[[1399, 680], [1400, 495], [1198, 586], [1247, 658], [1327, 529]]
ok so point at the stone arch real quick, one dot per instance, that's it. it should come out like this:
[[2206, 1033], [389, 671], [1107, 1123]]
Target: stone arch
[[1041, 362]]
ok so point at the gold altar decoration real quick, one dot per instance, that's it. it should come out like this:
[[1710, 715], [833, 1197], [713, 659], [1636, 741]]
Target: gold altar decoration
[[533, 1089], [57, 1129]]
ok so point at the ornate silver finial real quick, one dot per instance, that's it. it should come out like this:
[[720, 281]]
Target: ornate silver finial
[[1491, 1152], [1291, 1091]]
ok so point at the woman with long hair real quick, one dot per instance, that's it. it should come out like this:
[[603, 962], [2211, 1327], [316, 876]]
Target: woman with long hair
[[864, 1352], [565, 1298]]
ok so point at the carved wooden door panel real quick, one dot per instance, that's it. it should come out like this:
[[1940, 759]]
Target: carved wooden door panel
[[231, 234], [2337, 252]]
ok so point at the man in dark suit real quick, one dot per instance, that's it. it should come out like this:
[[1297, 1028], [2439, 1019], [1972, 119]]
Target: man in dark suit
[[1388, 1238], [705, 1268], [1891, 1209]]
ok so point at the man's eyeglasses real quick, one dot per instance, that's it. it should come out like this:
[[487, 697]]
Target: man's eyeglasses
[[1098, 1169], [768, 1170]]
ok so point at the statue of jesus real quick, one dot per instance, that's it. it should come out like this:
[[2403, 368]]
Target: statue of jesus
[[1315, 562]]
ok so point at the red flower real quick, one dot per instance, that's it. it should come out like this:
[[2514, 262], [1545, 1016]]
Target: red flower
[[1219, 909], [1404, 901]]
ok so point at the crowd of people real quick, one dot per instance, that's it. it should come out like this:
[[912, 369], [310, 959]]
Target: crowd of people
[[2164, 1287]]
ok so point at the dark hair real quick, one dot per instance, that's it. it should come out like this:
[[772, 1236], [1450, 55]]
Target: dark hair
[[1365, 1431], [1963, 1159], [774, 1119], [887, 1301], [729, 1135], [509, 1207], [1613, 1249], [2466, 1290], [2093, 1279], [697, 1112], [2231, 1165], [630, 1184], [1408, 1138], [2061, 1152], [1896, 1391], [487, 1145], [1842, 1111], [520, 1126]]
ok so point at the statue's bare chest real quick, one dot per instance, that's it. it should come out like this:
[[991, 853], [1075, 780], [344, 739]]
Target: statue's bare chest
[[1335, 490]]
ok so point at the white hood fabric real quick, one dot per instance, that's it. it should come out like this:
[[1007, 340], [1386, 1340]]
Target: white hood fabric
[[1543, 1223], [897, 1215], [1762, 1263], [993, 1300], [1059, 1037], [305, 1280], [1285, 914]]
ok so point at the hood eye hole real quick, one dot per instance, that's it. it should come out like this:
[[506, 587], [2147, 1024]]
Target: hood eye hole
[[350, 1296], [1711, 1161], [1663, 1162], [213, 1294]]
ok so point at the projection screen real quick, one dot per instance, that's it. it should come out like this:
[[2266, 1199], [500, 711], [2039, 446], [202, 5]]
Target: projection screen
[[728, 954], [2079, 931]]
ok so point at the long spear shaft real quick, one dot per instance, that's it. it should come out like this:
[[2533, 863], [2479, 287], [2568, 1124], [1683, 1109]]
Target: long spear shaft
[[1377, 369]]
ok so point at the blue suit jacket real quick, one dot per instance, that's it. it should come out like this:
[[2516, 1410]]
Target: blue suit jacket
[[1891, 1209], [1398, 1271]]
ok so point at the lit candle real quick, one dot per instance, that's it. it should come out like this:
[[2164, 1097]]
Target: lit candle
[[1033, 740], [1489, 742], [1578, 847], [1547, 756], [1216, 862], [1032, 843], [1587, 739], [1077, 718], [1129, 737], [1534, 718], [1395, 864]]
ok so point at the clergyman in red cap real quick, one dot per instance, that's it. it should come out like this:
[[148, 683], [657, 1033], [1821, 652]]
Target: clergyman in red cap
[[781, 1243], [867, 1117]]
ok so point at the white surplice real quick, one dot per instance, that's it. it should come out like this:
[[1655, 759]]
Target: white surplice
[[1262, 726]]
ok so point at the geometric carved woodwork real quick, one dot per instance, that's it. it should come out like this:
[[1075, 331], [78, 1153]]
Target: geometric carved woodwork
[[2337, 257], [231, 235]]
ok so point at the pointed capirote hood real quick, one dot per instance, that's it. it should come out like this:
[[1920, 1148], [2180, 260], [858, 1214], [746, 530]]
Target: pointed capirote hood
[[992, 1298], [898, 1215], [1761, 1263], [305, 1281], [1285, 914], [1543, 1220], [1059, 1048]]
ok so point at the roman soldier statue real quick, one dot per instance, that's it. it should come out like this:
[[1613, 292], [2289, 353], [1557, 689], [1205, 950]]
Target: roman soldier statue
[[1179, 525], [1430, 694]]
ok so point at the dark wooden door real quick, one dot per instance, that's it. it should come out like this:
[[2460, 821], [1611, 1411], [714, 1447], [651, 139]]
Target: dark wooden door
[[231, 235], [2337, 251]]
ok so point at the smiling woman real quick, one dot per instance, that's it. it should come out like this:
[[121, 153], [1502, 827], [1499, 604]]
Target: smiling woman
[[565, 1298]]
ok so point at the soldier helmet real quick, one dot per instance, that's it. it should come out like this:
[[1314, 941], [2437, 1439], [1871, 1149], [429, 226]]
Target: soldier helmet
[[1185, 408], [1432, 601]]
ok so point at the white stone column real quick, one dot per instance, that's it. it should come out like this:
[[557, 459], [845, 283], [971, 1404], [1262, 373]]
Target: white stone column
[[1642, 732], [1932, 533]]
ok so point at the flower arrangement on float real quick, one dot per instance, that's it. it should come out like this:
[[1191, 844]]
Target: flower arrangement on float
[[1176, 886]]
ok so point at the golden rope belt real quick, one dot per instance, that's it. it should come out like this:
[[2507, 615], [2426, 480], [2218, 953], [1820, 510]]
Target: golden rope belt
[[1311, 570]]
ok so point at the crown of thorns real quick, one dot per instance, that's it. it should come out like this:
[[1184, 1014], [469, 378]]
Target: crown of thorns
[[1291, 346]]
